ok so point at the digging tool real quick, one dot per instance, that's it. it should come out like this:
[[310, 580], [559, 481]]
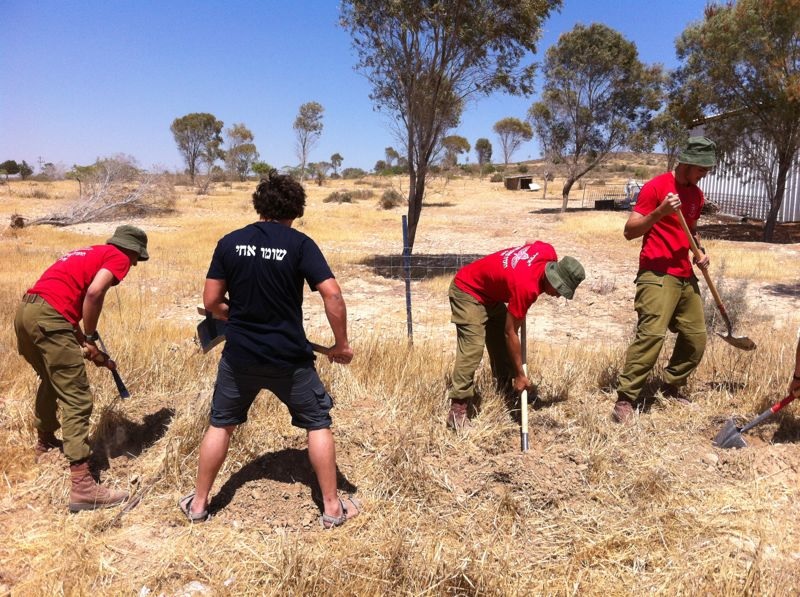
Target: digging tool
[[211, 332], [523, 398], [740, 342], [123, 391], [730, 436]]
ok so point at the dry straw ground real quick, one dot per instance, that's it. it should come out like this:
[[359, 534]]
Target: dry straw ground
[[593, 508]]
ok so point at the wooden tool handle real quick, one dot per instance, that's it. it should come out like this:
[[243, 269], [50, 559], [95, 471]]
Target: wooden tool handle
[[698, 255]]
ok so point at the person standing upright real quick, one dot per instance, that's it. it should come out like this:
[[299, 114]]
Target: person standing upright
[[262, 268], [667, 293]]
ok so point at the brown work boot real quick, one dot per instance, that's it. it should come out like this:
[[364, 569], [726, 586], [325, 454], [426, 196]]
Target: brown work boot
[[46, 441], [623, 411], [675, 394], [457, 418], [88, 495]]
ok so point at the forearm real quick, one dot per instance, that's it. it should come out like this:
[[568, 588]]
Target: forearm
[[214, 299], [336, 312], [92, 307], [218, 308], [636, 227], [514, 348]]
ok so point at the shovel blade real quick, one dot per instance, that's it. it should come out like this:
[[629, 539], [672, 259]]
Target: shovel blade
[[730, 436], [210, 332], [740, 342]]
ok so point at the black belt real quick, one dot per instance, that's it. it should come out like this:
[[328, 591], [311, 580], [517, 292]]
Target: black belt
[[32, 298]]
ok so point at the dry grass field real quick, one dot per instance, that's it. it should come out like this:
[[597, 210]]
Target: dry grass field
[[592, 509]]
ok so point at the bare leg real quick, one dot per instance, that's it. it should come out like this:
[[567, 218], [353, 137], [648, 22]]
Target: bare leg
[[213, 451], [322, 454]]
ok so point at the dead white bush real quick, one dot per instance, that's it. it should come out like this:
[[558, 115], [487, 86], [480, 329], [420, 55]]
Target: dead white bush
[[113, 188]]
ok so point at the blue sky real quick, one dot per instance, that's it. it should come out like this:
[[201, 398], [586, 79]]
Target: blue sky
[[89, 79]]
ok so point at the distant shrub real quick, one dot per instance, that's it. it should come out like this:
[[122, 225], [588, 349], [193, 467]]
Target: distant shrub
[[522, 168], [489, 169], [353, 173], [497, 177], [390, 199], [641, 172], [362, 193], [339, 197]]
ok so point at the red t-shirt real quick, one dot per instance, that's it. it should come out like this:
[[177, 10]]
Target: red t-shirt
[[64, 284], [514, 276], [665, 248]]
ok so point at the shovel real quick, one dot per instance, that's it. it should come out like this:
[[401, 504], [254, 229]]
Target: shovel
[[731, 436], [523, 399], [741, 342], [211, 332]]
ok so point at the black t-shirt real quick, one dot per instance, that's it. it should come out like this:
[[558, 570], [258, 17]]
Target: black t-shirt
[[264, 265]]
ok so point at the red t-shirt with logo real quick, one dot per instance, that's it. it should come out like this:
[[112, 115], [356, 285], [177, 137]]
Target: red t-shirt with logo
[[514, 276], [64, 284], [665, 248]]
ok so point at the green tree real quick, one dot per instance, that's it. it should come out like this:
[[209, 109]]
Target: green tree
[[25, 170], [336, 163], [454, 145], [81, 174], [742, 61], [9, 167], [198, 138], [241, 153], [391, 156], [512, 132], [262, 169], [426, 58], [598, 98], [307, 128], [670, 132], [380, 166], [483, 149]]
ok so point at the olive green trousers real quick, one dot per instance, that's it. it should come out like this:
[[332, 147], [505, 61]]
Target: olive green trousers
[[477, 326], [664, 302], [47, 341]]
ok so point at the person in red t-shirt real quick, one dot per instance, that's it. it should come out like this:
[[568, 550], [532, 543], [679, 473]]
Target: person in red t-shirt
[[479, 294], [667, 294], [50, 338]]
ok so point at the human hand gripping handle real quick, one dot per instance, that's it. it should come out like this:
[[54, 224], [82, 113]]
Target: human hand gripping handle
[[336, 353]]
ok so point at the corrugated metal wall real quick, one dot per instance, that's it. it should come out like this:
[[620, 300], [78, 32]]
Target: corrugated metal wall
[[746, 196]]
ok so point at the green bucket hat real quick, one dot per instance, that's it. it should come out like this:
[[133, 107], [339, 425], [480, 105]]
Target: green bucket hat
[[699, 151], [131, 238], [565, 275]]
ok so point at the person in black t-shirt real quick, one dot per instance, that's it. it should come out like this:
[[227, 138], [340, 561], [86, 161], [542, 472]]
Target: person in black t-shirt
[[262, 268]]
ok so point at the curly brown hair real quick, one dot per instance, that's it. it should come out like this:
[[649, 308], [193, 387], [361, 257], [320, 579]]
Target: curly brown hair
[[279, 197]]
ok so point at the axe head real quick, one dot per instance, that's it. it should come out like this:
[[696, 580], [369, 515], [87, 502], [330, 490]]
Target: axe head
[[210, 332]]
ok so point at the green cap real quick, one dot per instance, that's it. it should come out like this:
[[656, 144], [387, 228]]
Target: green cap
[[699, 151], [565, 275], [131, 238]]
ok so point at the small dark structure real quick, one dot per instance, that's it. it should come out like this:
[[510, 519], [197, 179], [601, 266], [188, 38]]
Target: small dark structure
[[518, 182]]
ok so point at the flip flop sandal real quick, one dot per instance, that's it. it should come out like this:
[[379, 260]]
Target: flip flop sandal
[[185, 504], [330, 522]]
